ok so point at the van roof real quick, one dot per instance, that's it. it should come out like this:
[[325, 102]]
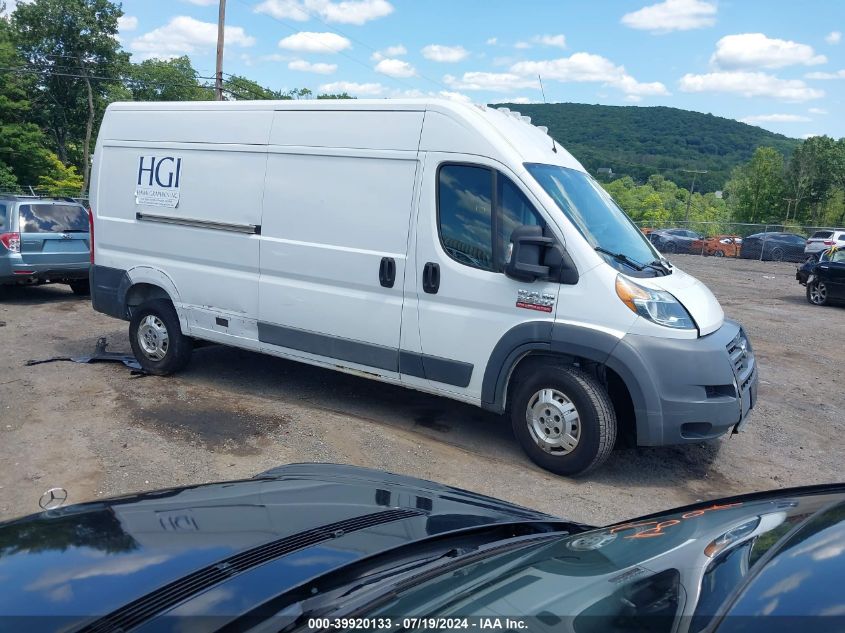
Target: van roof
[[513, 138]]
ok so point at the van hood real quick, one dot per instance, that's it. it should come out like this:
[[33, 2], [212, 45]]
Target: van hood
[[695, 297]]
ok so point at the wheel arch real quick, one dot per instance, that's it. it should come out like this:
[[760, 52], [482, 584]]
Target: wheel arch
[[147, 284], [529, 344]]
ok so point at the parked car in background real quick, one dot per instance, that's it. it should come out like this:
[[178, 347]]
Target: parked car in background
[[674, 240], [718, 246], [44, 241], [774, 246], [825, 279], [321, 547], [820, 241]]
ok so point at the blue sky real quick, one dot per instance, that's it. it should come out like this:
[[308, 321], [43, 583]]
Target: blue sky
[[779, 64]]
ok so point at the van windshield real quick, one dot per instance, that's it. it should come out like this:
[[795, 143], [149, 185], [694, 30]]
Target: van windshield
[[591, 209]]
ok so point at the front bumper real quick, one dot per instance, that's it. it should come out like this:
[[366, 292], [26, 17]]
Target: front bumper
[[688, 390]]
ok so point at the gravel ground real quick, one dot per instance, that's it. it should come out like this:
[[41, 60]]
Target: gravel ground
[[98, 431]]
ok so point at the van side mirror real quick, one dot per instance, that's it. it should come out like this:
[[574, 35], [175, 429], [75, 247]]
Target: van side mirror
[[527, 252]]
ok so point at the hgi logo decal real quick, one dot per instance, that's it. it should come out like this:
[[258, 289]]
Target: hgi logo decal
[[158, 181]]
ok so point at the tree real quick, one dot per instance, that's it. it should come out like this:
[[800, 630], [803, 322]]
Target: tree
[[72, 46], [166, 80], [241, 88], [60, 180], [811, 175], [756, 189], [21, 143]]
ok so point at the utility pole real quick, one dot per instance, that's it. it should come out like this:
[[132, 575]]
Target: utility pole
[[694, 173], [218, 77], [789, 202]]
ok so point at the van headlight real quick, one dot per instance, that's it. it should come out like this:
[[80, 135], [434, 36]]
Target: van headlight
[[657, 306]]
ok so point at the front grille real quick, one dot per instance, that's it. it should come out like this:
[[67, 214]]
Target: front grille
[[168, 596], [739, 352]]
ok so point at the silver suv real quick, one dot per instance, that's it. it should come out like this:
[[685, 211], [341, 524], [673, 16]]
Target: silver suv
[[43, 241], [823, 240]]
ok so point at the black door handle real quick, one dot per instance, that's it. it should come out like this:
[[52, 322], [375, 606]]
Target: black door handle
[[431, 278], [387, 272]]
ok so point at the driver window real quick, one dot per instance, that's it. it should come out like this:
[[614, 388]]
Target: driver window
[[465, 213], [515, 210]]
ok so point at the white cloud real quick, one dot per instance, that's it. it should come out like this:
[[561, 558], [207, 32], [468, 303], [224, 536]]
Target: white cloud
[[839, 74], [522, 100], [395, 68], [368, 89], [492, 41], [750, 84], [390, 51], [672, 15], [344, 12], [496, 82], [817, 111], [755, 50], [440, 53], [310, 42], [455, 96], [184, 35], [550, 40], [127, 23], [307, 67], [834, 37], [522, 45], [775, 118], [810, 135], [587, 67]]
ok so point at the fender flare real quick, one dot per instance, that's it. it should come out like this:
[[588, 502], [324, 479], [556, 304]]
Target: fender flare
[[572, 341]]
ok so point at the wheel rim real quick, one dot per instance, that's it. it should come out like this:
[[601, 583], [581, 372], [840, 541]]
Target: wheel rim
[[553, 422], [153, 337], [719, 253], [777, 255], [818, 293]]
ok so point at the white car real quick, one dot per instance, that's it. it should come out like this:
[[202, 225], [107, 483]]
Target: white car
[[449, 248], [823, 240]]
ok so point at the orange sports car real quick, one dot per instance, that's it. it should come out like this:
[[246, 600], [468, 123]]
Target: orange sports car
[[718, 246]]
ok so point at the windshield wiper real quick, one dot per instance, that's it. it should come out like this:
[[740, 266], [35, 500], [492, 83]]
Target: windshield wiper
[[621, 257], [660, 265]]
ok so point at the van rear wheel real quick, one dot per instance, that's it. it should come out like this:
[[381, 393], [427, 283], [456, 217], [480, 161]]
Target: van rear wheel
[[564, 420], [156, 338]]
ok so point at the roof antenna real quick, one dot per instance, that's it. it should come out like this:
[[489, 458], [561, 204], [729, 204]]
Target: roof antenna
[[543, 92]]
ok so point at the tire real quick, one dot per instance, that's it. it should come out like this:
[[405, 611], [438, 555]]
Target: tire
[[777, 254], [719, 253], [157, 340], [548, 397], [817, 293], [81, 288]]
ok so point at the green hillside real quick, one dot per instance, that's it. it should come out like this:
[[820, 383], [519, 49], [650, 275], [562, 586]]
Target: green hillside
[[638, 142]]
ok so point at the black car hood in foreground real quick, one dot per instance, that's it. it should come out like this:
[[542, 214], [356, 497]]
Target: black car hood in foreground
[[224, 547]]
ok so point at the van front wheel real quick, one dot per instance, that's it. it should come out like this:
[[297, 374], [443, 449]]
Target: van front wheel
[[564, 420], [156, 338]]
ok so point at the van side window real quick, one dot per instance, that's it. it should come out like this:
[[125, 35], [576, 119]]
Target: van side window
[[465, 214], [514, 210]]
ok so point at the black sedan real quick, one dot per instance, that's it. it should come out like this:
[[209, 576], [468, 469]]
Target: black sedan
[[773, 246], [674, 240], [326, 547], [825, 279]]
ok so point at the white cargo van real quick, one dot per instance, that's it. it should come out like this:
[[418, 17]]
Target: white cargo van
[[450, 248]]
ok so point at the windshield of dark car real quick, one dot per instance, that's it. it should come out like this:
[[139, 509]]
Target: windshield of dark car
[[675, 565], [593, 212]]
